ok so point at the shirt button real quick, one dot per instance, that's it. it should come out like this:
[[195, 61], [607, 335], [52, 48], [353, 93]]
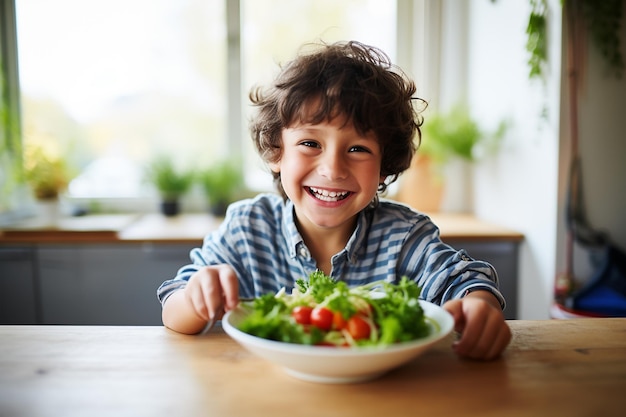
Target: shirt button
[[304, 252]]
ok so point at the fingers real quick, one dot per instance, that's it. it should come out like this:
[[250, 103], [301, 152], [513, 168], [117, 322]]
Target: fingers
[[485, 333], [194, 294], [500, 342], [455, 308], [484, 339], [211, 290], [473, 338], [230, 288]]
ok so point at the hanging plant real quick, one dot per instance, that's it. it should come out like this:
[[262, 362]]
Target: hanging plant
[[603, 20], [536, 44]]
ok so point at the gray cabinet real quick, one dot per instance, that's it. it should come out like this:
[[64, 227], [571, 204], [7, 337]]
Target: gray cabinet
[[116, 283], [112, 284], [503, 255], [18, 293]]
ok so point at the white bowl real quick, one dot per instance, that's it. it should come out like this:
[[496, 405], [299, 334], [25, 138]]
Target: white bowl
[[339, 365]]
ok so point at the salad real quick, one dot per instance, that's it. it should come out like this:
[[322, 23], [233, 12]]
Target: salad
[[322, 311]]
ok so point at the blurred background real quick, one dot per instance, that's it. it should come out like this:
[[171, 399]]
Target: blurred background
[[104, 89]]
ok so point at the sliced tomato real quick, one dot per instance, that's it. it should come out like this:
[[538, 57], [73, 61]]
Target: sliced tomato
[[322, 318], [302, 314], [358, 327], [339, 323]]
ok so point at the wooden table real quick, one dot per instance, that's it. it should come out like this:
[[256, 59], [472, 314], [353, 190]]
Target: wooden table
[[552, 368]]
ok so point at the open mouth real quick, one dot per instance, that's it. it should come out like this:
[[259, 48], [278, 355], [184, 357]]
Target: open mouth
[[326, 195]]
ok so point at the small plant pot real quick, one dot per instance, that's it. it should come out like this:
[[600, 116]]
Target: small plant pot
[[48, 212], [170, 208]]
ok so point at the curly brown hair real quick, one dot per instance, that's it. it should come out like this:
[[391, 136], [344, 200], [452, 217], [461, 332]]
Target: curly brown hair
[[344, 78]]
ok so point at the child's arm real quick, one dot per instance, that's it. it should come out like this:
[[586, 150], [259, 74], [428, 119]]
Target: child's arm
[[210, 291], [479, 319]]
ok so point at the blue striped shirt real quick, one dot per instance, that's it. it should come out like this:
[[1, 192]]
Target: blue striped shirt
[[260, 240]]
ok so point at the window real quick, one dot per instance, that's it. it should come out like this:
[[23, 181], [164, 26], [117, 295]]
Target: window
[[111, 84]]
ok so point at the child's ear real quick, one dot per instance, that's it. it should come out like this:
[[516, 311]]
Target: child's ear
[[274, 166]]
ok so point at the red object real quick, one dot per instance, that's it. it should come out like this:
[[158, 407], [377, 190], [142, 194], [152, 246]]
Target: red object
[[358, 327], [322, 318], [302, 314]]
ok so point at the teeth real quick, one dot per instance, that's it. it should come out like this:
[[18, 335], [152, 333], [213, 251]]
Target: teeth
[[326, 195]]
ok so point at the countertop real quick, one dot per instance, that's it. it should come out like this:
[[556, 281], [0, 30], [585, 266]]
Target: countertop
[[191, 228], [551, 368]]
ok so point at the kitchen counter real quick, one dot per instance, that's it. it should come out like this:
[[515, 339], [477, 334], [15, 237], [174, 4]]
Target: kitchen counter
[[191, 228], [551, 368], [62, 269]]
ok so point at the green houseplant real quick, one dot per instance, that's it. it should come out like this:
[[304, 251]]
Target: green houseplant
[[452, 134], [222, 184], [170, 182], [446, 136]]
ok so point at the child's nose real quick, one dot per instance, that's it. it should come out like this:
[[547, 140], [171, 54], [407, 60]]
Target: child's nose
[[333, 166]]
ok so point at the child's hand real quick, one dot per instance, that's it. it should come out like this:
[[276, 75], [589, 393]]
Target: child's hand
[[212, 290], [209, 292], [479, 319]]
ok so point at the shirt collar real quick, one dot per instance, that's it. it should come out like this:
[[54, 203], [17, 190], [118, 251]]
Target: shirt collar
[[357, 240], [290, 231], [292, 235]]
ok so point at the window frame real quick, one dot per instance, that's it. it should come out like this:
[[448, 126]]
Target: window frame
[[10, 92], [12, 176]]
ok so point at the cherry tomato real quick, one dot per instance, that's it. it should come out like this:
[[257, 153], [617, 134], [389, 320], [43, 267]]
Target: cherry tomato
[[339, 323], [322, 318], [302, 314], [358, 327]]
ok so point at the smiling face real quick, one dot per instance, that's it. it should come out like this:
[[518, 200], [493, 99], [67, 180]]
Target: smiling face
[[330, 172]]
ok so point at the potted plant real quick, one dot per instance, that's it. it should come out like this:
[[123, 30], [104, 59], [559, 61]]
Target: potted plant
[[222, 184], [47, 174], [170, 182], [445, 137], [450, 135]]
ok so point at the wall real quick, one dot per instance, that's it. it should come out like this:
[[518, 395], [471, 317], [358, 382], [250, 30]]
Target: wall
[[474, 51], [524, 185], [517, 187]]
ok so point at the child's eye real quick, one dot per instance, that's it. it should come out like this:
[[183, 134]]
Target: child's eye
[[310, 143], [359, 149]]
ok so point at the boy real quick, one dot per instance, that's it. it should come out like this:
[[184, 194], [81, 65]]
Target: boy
[[336, 128]]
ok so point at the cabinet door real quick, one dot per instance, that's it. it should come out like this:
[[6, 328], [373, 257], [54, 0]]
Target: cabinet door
[[17, 286], [106, 284], [503, 255]]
